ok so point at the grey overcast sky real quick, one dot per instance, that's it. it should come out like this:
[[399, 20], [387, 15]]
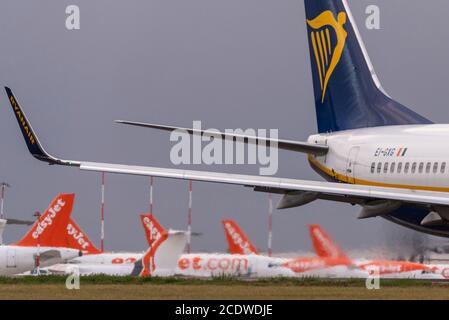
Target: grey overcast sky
[[229, 63]]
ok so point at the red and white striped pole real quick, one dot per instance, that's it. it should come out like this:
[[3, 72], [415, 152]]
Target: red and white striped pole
[[189, 219], [270, 224], [2, 216], [37, 263], [2, 200], [151, 194], [150, 265], [102, 212]]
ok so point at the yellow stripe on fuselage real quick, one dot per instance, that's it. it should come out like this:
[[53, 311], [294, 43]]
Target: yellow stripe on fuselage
[[343, 178]]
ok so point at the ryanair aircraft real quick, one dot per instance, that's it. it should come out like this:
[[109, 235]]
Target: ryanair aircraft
[[373, 151]]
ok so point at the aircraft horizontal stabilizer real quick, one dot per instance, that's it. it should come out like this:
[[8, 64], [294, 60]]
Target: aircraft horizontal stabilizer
[[19, 222], [297, 146]]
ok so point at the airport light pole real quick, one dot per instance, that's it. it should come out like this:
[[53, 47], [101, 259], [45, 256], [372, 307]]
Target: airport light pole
[[37, 214], [3, 185], [151, 212], [151, 194], [102, 212], [189, 219], [270, 224]]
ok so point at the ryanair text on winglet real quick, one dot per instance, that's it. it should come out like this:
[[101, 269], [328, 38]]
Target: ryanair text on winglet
[[22, 120]]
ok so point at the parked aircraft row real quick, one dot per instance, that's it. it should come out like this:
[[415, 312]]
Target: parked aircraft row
[[373, 151], [65, 249]]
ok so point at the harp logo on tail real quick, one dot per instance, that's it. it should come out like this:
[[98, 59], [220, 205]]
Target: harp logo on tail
[[327, 52]]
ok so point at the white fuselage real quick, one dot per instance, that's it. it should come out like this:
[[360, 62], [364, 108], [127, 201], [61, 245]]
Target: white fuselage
[[15, 260], [412, 156], [390, 269], [206, 265], [118, 264], [199, 265], [109, 258], [253, 266]]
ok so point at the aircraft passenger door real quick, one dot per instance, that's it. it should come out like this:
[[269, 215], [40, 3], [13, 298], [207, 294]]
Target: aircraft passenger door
[[352, 160], [11, 258]]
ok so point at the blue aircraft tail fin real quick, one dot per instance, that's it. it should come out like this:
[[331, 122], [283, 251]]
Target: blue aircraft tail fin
[[348, 94]]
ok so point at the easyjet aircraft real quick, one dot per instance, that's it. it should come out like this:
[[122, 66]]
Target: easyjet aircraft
[[244, 260], [78, 239], [211, 264], [237, 263], [325, 247], [22, 256], [159, 260], [373, 151], [324, 265], [95, 261], [238, 242]]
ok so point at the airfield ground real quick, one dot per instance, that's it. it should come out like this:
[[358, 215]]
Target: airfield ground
[[134, 288]]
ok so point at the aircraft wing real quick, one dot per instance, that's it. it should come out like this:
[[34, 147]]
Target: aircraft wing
[[296, 192], [277, 185], [297, 146]]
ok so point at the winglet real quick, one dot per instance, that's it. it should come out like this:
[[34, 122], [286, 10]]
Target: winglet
[[34, 146], [238, 242]]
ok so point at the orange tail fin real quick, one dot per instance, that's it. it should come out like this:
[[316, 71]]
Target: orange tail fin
[[156, 235], [238, 242], [152, 227], [323, 244], [50, 230], [77, 239]]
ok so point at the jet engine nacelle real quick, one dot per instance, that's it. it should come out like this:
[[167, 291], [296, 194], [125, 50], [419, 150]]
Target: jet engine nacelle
[[378, 208], [439, 216], [296, 199]]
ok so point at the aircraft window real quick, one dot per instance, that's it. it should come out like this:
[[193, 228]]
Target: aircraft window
[[428, 166], [406, 167], [435, 167], [392, 167], [421, 167], [386, 167], [414, 167], [373, 167], [443, 167], [399, 167], [379, 167]]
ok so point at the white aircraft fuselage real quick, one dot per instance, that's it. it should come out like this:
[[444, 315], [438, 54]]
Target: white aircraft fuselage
[[409, 157], [352, 154], [15, 259]]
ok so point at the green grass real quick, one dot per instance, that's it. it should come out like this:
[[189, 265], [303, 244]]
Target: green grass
[[104, 287], [108, 280]]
